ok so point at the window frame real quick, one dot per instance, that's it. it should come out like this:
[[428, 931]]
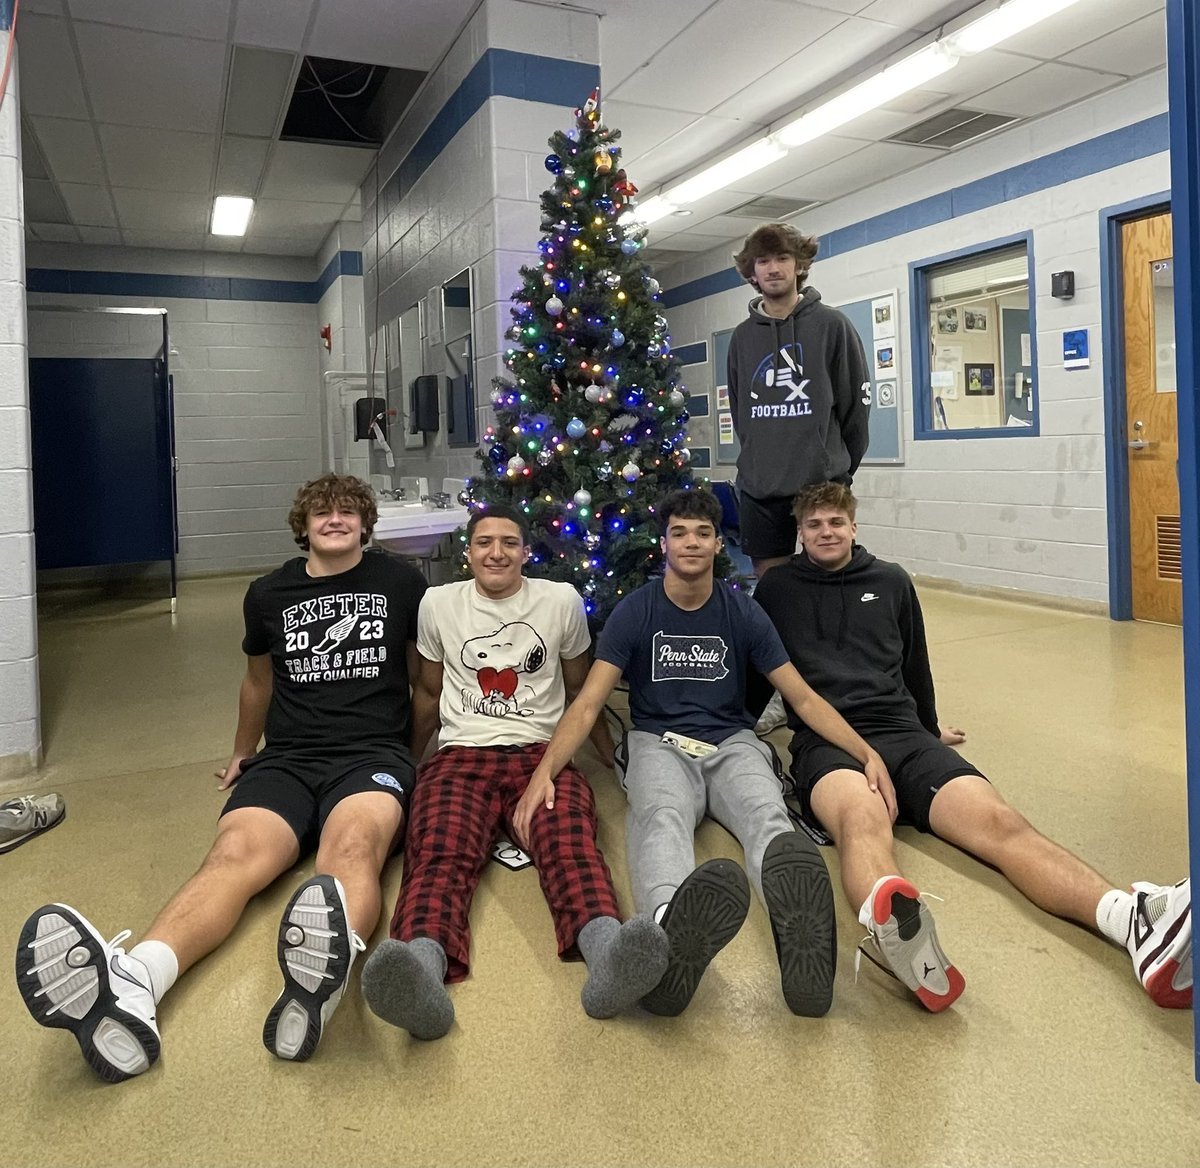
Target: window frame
[[918, 291]]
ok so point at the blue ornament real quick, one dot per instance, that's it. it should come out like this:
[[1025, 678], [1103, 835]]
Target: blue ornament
[[604, 204], [576, 428], [498, 455], [618, 338], [553, 163], [629, 246], [545, 246], [632, 399]]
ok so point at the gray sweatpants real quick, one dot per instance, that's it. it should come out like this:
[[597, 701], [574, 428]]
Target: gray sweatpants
[[669, 793]]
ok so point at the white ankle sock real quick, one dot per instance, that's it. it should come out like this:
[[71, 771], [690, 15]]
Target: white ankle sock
[[1113, 915], [161, 964]]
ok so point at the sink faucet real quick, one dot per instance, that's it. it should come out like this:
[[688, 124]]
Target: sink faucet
[[396, 493], [440, 500]]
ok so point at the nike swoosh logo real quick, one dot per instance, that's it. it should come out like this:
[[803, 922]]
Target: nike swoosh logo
[[868, 596]]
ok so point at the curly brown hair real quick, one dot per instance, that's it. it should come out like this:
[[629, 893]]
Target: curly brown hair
[[834, 496], [777, 239], [333, 490]]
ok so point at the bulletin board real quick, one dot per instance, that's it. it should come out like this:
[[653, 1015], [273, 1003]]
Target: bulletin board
[[875, 321]]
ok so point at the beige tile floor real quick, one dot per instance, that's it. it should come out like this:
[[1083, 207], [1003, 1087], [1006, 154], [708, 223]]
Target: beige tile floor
[[1054, 1056]]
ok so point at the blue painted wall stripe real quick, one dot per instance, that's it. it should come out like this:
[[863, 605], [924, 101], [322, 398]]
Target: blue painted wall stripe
[[497, 73], [72, 282], [1128, 144], [694, 354]]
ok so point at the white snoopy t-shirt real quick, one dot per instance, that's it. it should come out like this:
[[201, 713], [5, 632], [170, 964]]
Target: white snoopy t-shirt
[[502, 683]]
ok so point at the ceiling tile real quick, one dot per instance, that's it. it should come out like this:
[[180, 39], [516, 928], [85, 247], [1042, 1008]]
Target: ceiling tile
[[43, 204], [869, 165], [779, 91], [209, 19], [240, 169], [713, 58], [49, 7], [629, 41], [920, 15], [158, 160], [178, 84], [53, 232], [88, 205], [702, 139], [173, 240], [258, 91], [33, 165], [315, 173], [1067, 30], [224, 242], [781, 177], [690, 241], [1048, 87], [50, 81], [279, 218], [1140, 47], [377, 33], [70, 149], [297, 247], [643, 126], [159, 211], [108, 236], [272, 24]]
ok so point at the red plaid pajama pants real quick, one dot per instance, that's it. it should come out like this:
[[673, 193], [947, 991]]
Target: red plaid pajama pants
[[464, 794]]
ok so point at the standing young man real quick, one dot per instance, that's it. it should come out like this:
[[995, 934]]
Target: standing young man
[[683, 644], [853, 624], [498, 656], [326, 643], [799, 388]]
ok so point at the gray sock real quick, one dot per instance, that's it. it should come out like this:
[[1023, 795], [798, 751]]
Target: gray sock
[[402, 982], [625, 962]]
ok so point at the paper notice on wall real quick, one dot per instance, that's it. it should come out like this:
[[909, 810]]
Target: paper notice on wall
[[942, 379], [722, 397], [725, 429], [883, 317], [1026, 350]]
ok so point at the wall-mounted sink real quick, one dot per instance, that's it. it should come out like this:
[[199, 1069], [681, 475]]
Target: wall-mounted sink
[[415, 529]]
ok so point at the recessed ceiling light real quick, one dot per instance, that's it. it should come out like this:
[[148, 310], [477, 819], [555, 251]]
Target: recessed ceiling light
[[231, 215], [683, 211]]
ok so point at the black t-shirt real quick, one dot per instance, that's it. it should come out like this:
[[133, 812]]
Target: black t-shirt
[[338, 651]]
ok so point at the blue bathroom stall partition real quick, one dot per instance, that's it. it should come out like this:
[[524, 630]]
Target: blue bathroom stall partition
[[103, 462]]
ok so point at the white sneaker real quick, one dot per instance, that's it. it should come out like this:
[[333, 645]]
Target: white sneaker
[[71, 978], [902, 930], [1160, 942], [772, 717], [26, 816], [316, 950]]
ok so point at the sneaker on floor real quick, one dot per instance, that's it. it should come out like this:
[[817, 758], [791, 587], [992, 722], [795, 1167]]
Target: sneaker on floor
[[799, 900], [905, 940], [26, 816], [316, 949], [702, 918], [772, 717], [1160, 941], [71, 978]]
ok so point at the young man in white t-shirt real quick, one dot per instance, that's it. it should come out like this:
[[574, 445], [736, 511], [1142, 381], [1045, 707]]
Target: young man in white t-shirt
[[499, 655]]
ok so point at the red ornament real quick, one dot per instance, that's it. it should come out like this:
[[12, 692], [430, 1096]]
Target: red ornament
[[622, 185]]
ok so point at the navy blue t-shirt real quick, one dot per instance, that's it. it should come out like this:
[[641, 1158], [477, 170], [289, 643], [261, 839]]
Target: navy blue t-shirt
[[687, 670]]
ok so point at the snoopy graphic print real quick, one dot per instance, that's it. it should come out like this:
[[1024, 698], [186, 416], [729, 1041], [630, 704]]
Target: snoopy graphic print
[[499, 659], [502, 682]]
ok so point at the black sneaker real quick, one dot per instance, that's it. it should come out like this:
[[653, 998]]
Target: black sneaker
[[799, 900], [702, 918]]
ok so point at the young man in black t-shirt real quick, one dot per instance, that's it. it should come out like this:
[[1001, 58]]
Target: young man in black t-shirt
[[327, 646], [852, 625]]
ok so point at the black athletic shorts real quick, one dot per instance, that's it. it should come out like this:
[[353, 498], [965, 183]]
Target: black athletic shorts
[[920, 766], [304, 786], [768, 526]]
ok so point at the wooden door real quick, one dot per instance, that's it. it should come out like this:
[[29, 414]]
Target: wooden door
[[1151, 420]]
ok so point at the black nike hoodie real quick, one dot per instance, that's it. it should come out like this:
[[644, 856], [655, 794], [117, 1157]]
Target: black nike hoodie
[[857, 637], [799, 390]]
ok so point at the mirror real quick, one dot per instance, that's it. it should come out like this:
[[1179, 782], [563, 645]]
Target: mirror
[[458, 342]]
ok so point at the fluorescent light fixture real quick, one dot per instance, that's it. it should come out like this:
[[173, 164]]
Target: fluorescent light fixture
[[721, 174], [652, 210], [925, 64], [231, 215], [1001, 23]]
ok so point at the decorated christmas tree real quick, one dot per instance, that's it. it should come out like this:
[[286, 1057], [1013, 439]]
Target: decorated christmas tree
[[590, 427]]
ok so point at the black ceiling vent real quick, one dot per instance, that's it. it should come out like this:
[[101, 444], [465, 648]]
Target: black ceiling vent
[[768, 208], [952, 127], [346, 103]]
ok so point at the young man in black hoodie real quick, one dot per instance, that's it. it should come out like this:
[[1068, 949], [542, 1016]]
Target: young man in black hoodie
[[852, 625], [798, 387]]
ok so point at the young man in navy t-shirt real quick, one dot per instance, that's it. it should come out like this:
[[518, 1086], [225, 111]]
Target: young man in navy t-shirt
[[683, 644]]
